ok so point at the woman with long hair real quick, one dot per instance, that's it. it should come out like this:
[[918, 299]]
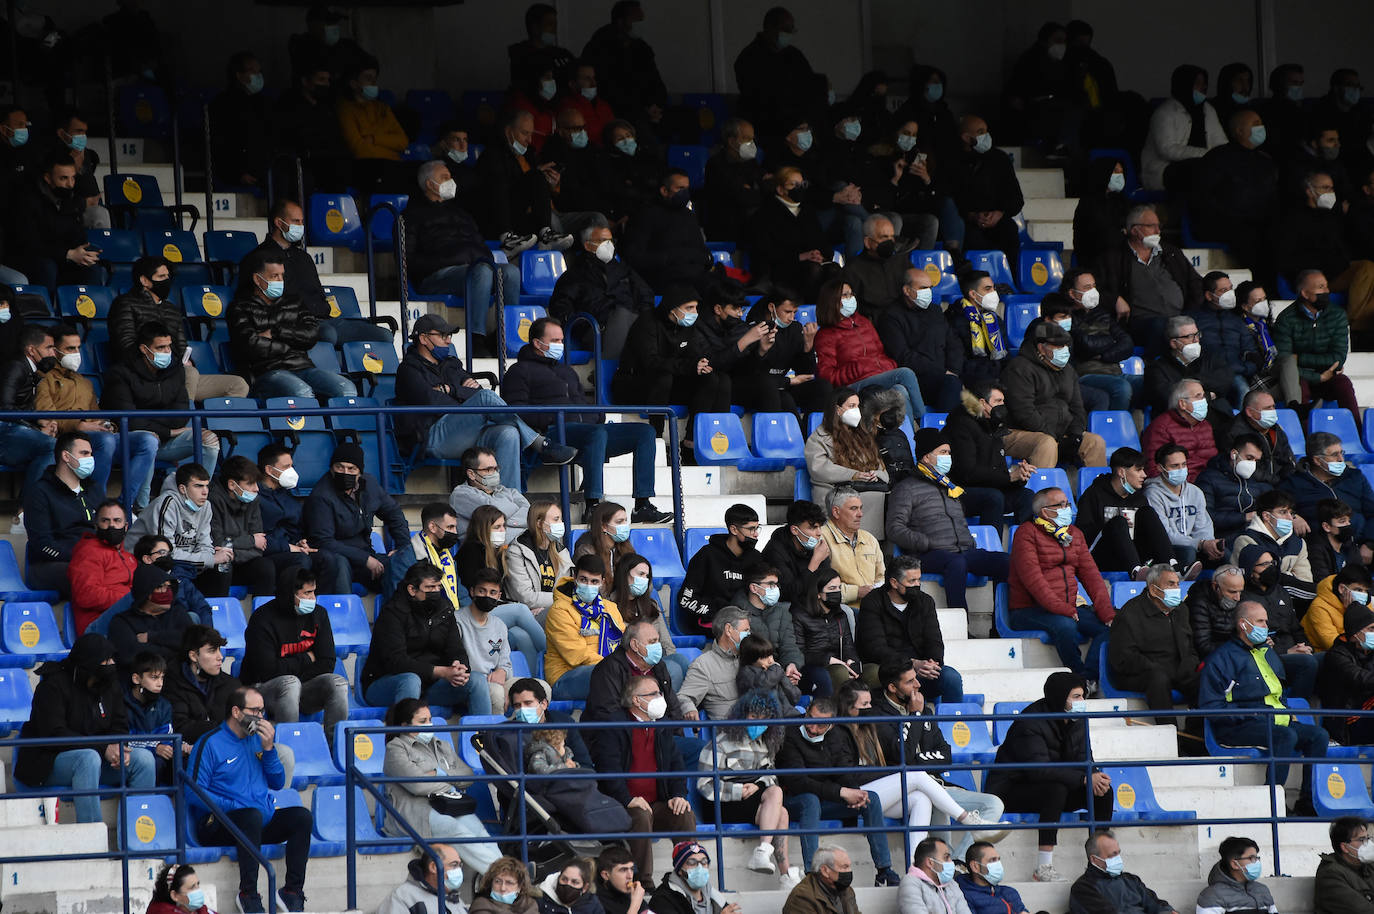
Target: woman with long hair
[[607, 537], [843, 451], [829, 658], [485, 547], [849, 352], [634, 594], [538, 558]]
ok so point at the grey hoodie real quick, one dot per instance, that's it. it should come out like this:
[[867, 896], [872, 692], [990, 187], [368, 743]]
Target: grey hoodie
[[1225, 895], [168, 515], [1184, 515]]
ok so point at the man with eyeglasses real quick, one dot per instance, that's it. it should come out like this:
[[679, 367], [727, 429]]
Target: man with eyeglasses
[[1148, 280], [1325, 473], [431, 374], [1233, 884], [1345, 878], [1185, 357], [238, 766]]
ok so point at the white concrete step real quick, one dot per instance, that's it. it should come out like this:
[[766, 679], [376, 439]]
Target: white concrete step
[[1210, 803], [1041, 183], [1050, 209], [1049, 230], [1008, 685], [999, 654], [130, 150], [696, 481], [1205, 260], [1116, 743], [953, 625], [1218, 776]]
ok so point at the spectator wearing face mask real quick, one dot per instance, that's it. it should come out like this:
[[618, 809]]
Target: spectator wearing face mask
[[1235, 193], [482, 485], [101, 572], [1186, 357], [981, 332], [781, 376], [236, 519], [978, 435], [536, 97], [323, 43], [734, 183], [340, 512], [1274, 528], [850, 353], [1182, 129], [1037, 94], [243, 129], [876, 273], [663, 241], [718, 571], [1146, 280], [1230, 484], [1225, 334], [1183, 510], [1100, 213], [576, 187], [596, 283], [1323, 623], [776, 82], [1313, 341], [583, 629], [917, 336], [1184, 424], [841, 453], [1284, 111], [1324, 473], [539, 51], [1330, 545], [582, 95], [369, 126], [1347, 675], [282, 520], [1100, 343], [1320, 152], [46, 235], [155, 620], [628, 171], [1234, 88], [986, 191], [1123, 532], [627, 75], [1312, 236], [308, 126], [1043, 396], [786, 244]]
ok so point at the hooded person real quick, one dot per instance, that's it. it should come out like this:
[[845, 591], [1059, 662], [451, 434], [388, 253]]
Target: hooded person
[[1346, 679], [154, 620], [1182, 129], [1101, 210], [81, 696]]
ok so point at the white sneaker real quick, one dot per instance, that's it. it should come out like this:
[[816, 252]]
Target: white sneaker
[[1046, 872], [549, 240], [790, 879], [976, 820], [17, 528], [762, 860]]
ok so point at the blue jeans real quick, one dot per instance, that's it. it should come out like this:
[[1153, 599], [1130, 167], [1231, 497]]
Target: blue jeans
[[175, 450], [1306, 740], [336, 330], [311, 382], [677, 669], [474, 282], [474, 697], [505, 434], [597, 442], [1302, 673], [955, 567], [1116, 388], [948, 686], [25, 446], [845, 222], [142, 455], [573, 685], [988, 805], [85, 769], [1064, 635], [807, 810], [526, 634], [904, 379]]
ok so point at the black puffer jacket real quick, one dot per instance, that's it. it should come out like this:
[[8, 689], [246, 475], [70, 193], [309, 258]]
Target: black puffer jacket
[[413, 637], [65, 705], [978, 446], [664, 243], [1041, 741], [136, 385], [302, 278], [43, 227], [598, 289], [796, 752], [294, 329], [821, 636], [1100, 343], [536, 380], [1346, 681], [197, 704], [921, 339], [1041, 398], [795, 578], [440, 234], [135, 308], [891, 636]]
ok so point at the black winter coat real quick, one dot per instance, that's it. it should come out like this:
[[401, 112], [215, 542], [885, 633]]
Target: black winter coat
[[1235, 192], [135, 308], [302, 277], [411, 637], [1040, 741], [294, 328], [1099, 218], [1308, 238], [1278, 461], [627, 183], [1212, 625], [1346, 681], [889, 636], [513, 199], [440, 233], [18, 384], [63, 707], [796, 581], [55, 518], [416, 381], [611, 756], [235, 522], [732, 194], [1041, 398], [985, 182], [136, 385], [1146, 638], [777, 86], [579, 187], [821, 636], [43, 227], [798, 752], [609, 678], [664, 244], [657, 345], [1229, 498], [788, 353], [1100, 343], [926, 747], [921, 339], [598, 289], [1114, 276], [1164, 373], [343, 524], [776, 237], [278, 640], [978, 447], [536, 380], [197, 706]]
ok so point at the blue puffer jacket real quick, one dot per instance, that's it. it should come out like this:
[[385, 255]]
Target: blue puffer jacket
[[1350, 487], [1228, 496], [989, 899], [1231, 680], [1225, 333]]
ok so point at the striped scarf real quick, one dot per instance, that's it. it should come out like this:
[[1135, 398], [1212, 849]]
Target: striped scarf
[[443, 560], [951, 488], [1261, 331], [986, 335], [1061, 534], [596, 621]]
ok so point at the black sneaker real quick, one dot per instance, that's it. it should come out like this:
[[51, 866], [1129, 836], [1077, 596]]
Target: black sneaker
[[292, 899], [886, 877], [550, 240], [648, 514], [557, 455], [249, 903], [513, 243]]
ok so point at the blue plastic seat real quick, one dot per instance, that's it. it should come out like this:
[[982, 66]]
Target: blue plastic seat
[[225, 250], [539, 272], [968, 739], [136, 200], [369, 358], [778, 436], [939, 266], [294, 423], [334, 222], [314, 763], [144, 111], [1133, 798], [1340, 790], [179, 247], [1000, 727], [931, 420], [351, 630], [1116, 427], [693, 538], [712, 110], [1292, 427], [150, 823], [206, 303], [691, 159], [1040, 271], [518, 320], [329, 806], [658, 546], [16, 698], [324, 355], [1126, 590], [719, 440], [995, 264], [1086, 475], [85, 303], [1341, 423], [12, 586], [29, 629], [369, 749], [435, 107], [383, 224], [118, 248], [226, 616], [1019, 318], [1134, 366], [1051, 477]]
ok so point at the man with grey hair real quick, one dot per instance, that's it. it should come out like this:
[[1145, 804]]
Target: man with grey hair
[[827, 889], [710, 681], [575, 181], [598, 284], [1212, 608], [515, 192], [1185, 357], [854, 552], [734, 182], [1324, 473], [446, 253], [1151, 648], [1147, 280], [1105, 886], [876, 272], [1183, 421]]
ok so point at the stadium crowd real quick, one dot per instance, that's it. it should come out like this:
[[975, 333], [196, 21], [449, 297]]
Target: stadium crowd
[[826, 621]]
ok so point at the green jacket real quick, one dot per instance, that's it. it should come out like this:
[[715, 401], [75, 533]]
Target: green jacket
[[1341, 888], [1318, 343]]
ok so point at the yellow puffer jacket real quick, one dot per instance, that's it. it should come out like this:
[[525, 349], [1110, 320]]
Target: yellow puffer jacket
[[568, 646], [1325, 618]]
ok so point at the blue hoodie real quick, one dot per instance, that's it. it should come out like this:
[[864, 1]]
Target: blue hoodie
[[235, 772], [989, 899]]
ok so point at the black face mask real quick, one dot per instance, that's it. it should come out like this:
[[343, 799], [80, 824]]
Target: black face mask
[[63, 193], [832, 600], [446, 540], [748, 544], [843, 880], [1319, 301], [99, 676], [1344, 534], [1268, 577], [567, 893], [885, 249], [111, 536], [344, 482], [486, 604], [681, 198], [166, 563], [160, 287], [434, 600], [998, 414], [47, 364]]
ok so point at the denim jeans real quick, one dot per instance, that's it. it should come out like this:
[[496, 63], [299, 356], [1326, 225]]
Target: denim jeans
[[176, 450], [597, 442], [1064, 634], [573, 685], [25, 446], [1115, 386], [677, 669], [505, 434], [526, 634], [807, 811], [311, 382], [85, 769], [904, 379], [1296, 739], [142, 455], [955, 567], [948, 686], [988, 805], [1302, 673], [477, 855], [336, 330], [474, 282], [472, 698]]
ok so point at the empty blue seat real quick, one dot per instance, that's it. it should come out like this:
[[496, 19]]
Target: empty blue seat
[[225, 250], [12, 586], [85, 303], [334, 222], [1134, 366], [1340, 790], [294, 423], [1341, 423], [539, 271], [968, 739], [1133, 798], [778, 435], [205, 303], [518, 320], [1040, 271], [1051, 477], [719, 440], [1086, 475], [179, 248], [369, 749], [150, 823], [16, 698], [939, 266], [658, 546], [934, 420], [1000, 727], [383, 221], [693, 538], [1126, 590], [330, 808], [144, 111], [226, 616], [995, 264], [1292, 427], [351, 630], [691, 159], [1019, 318], [136, 200], [1117, 429], [314, 763], [30, 630]]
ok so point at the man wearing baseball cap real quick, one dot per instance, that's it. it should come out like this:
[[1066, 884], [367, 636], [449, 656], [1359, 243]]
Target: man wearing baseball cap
[[431, 374], [339, 515], [687, 889], [1043, 395]]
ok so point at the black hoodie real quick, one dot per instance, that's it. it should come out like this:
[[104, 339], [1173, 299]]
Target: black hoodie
[[279, 640], [68, 703], [714, 575], [1099, 216], [1044, 740], [162, 632]]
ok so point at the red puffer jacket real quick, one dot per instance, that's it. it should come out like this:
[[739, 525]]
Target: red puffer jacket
[[1046, 574], [100, 578], [1171, 428], [850, 351]]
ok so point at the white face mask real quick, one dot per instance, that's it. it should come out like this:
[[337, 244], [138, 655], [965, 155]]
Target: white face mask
[[1260, 308], [288, 478], [990, 301], [1091, 298], [748, 150], [448, 189], [498, 537], [1151, 241], [605, 251], [1190, 352], [1366, 852], [850, 417], [1227, 300], [71, 361], [1326, 200], [1245, 468]]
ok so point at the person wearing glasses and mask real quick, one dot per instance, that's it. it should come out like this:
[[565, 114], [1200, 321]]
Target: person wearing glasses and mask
[[1146, 280], [1233, 883], [1345, 879]]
